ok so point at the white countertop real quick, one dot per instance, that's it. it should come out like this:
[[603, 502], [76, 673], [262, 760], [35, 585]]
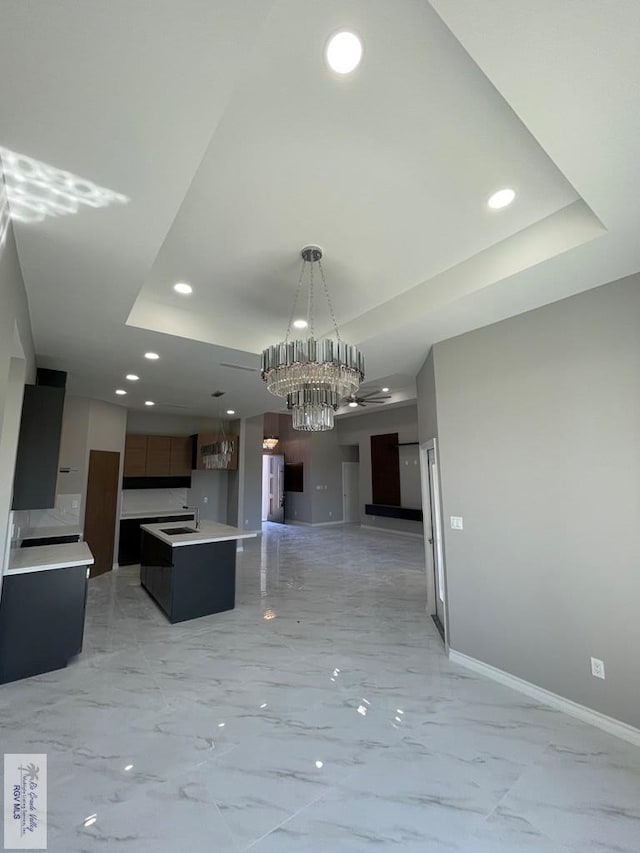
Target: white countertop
[[153, 513], [51, 532], [42, 558], [209, 531]]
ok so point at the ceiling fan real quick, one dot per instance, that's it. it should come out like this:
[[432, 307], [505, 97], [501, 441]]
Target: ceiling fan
[[366, 399]]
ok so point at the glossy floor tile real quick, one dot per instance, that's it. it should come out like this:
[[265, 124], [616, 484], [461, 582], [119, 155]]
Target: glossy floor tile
[[319, 715]]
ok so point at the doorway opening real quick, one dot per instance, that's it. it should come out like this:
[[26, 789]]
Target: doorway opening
[[273, 487], [433, 540], [350, 492]]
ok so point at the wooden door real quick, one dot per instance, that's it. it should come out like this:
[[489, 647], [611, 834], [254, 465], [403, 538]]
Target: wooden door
[[385, 469], [158, 455], [101, 508], [135, 456]]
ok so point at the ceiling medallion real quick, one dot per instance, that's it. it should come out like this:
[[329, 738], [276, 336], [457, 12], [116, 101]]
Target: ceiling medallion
[[313, 375]]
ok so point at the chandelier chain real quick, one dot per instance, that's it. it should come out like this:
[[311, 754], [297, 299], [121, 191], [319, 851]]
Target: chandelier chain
[[329, 303], [295, 301], [310, 304]]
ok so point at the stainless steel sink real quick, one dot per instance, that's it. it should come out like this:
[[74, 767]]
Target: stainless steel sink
[[177, 531]]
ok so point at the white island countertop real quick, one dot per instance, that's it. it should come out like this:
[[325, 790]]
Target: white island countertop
[[209, 531], [42, 558]]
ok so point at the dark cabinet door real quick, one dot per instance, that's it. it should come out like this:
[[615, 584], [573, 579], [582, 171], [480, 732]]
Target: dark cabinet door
[[36, 470], [162, 587]]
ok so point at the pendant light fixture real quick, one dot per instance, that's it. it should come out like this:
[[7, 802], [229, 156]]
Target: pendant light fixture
[[313, 375], [216, 454]]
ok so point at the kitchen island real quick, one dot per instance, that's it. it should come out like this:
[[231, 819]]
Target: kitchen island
[[190, 572], [42, 608]]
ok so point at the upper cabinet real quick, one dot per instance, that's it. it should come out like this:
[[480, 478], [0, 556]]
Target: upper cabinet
[[135, 456], [36, 469], [158, 455], [181, 453]]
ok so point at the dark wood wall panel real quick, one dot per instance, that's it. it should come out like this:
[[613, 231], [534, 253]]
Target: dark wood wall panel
[[385, 469]]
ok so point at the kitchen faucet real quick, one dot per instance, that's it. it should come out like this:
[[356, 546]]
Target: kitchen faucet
[[197, 513]]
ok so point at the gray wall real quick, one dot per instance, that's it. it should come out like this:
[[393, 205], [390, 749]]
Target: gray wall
[[212, 485], [321, 456], [250, 474], [538, 420], [296, 447], [358, 430], [159, 423], [426, 388], [15, 342]]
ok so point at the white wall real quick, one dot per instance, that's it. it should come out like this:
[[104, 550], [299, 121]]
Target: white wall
[[15, 341], [538, 419]]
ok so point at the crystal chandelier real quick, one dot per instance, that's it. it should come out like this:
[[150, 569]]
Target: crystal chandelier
[[313, 375]]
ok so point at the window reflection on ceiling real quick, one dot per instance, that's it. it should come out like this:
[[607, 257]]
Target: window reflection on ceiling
[[35, 190]]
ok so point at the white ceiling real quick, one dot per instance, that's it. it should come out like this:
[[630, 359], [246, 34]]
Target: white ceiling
[[222, 144]]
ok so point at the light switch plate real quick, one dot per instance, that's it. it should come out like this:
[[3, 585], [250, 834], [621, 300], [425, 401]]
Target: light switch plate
[[456, 522], [597, 668]]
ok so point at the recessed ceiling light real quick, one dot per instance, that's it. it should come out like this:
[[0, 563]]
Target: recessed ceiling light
[[502, 198], [120, 392], [353, 404], [384, 390], [300, 324], [132, 377], [343, 52], [183, 288], [152, 356], [231, 411], [149, 403]]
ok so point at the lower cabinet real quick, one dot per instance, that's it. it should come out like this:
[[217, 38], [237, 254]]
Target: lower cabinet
[[189, 581], [41, 621], [129, 545]]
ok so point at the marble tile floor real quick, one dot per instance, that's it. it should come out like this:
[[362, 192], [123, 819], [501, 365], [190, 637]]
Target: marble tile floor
[[319, 715]]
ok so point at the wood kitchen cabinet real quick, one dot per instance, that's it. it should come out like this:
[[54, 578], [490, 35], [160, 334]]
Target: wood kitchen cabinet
[[135, 456], [158, 455], [181, 453]]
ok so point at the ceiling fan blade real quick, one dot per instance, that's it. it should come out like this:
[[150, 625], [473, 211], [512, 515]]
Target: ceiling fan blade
[[376, 399], [369, 394]]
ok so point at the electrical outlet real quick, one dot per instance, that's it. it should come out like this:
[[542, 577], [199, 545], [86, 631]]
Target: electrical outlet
[[597, 668], [330, 515], [205, 500], [75, 504], [456, 522]]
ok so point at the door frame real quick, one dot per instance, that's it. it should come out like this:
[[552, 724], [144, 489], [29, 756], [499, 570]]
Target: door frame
[[272, 457], [357, 519], [430, 568]]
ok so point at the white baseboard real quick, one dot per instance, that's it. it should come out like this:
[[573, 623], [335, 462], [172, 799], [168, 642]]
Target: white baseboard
[[390, 530], [313, 523], [546, 697]]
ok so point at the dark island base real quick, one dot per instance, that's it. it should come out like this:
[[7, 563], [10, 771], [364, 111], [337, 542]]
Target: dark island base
[[191, 580], [41, 621]]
